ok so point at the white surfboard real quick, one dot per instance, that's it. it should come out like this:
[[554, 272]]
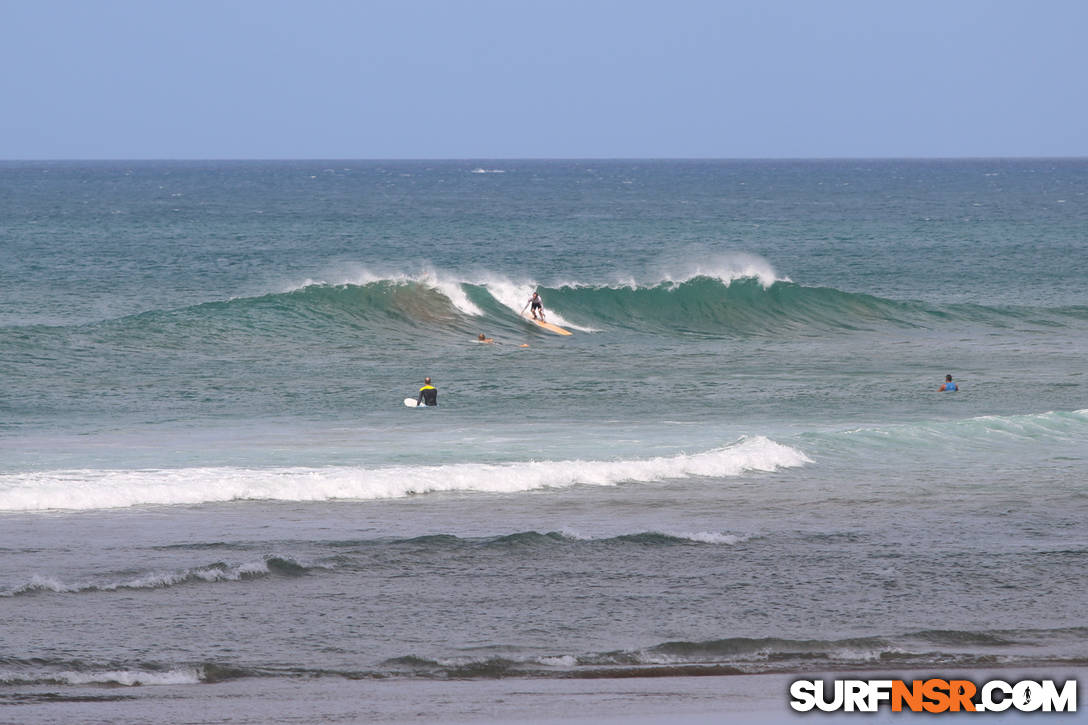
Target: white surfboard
[[412, 403]]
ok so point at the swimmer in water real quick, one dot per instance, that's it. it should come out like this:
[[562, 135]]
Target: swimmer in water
[[428, 394], [948, 385]]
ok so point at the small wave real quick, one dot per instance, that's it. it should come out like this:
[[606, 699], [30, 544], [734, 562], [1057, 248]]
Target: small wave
[[664, 537], [954, 637], [560, 666], [657, 538], [920, 651], [759, 647], [97, 489], [982, 431], [131, 678], [107, 677], [750, 655], [217, 572], [712, 537], [525, 538], [560, 538]]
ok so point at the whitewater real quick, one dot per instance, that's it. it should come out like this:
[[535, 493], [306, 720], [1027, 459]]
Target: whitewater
[[96, 489]]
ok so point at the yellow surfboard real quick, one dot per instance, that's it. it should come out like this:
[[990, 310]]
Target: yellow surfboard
[[549, 326]]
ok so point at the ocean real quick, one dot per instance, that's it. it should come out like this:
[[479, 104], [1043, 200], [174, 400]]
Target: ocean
[[214, 505]]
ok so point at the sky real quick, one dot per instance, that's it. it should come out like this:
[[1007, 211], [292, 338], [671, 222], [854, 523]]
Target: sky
[[489, 79]]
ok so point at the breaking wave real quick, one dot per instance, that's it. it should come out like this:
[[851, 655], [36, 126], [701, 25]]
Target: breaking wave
[[97, 489], [217, 572], [741, 297]]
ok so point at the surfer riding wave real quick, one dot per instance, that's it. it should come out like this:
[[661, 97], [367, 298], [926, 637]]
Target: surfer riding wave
[[536, 306]]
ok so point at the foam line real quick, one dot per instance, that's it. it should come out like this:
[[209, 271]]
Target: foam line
[[97, 489]]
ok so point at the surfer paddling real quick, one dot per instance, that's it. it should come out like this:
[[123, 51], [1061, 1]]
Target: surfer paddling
[[948, 385]]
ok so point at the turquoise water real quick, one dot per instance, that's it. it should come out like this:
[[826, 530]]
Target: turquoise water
[[738, 460]]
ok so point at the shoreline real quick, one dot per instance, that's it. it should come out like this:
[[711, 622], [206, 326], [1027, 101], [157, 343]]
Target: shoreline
[[679, 700]]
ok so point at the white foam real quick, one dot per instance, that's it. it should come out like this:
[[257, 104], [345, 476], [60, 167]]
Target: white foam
[[97, 489], [42, 583], [726, 268], [514, 292], [701, 537], [131, 678], [152, 580], [515, 296], [450, 288], [712, 537], [428, 276]]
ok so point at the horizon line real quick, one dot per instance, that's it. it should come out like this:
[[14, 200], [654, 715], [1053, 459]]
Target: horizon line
[[165, 159]]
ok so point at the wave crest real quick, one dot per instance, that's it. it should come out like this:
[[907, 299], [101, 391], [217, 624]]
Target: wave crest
[[739, 295], [217, 572]]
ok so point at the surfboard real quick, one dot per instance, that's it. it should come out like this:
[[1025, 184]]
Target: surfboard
[[550, 327], [411, 403]]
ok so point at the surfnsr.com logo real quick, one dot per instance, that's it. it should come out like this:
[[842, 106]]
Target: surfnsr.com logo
[[933, 695]]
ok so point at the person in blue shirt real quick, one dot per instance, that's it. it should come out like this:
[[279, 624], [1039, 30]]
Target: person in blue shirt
[[948, 385]]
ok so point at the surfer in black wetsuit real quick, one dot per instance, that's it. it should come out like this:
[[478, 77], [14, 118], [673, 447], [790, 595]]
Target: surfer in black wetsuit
[[536, 304], [428, 394]]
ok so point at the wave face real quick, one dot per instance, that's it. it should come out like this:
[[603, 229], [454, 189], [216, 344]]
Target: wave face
[[97, 489], [705, 305], [748, 302]]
